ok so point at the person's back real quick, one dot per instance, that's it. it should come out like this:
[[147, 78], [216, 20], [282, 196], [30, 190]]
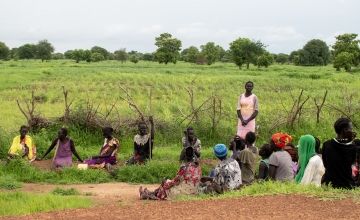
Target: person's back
[[247, 165], [282, 161], [338, 158], [314, 171], [227, 174]]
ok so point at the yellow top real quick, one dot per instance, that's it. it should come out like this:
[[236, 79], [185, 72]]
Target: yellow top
[[17, 147]]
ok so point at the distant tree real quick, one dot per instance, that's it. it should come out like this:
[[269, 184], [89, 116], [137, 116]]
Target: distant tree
[[79, 55], [44, 49], [346, 43], [245, 51], [265, 60], [210, 52], [57, 56], [293, 55], [344, 60], [121, 55], [314, 53], [103, 51], [111, 56], [201, 59], [281, 58], [227, 56], [14, 53], [86, 55], [221, 53], [27, 51], [134, 59], [148, 57], [96, 57], [4, 51], [190, 54], [168, 48]]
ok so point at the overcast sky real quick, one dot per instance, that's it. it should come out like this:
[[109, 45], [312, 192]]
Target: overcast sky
[[283, 25]]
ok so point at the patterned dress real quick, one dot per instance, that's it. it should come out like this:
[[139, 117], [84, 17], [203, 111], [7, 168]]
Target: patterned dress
[[108, 153], [227, 174]]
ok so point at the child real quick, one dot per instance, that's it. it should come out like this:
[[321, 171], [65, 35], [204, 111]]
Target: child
[[265, 152]]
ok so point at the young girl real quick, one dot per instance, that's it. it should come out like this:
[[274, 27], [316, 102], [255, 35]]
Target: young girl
[[265, 152]]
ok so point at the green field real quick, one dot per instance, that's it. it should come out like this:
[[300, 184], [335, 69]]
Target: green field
[[99, 83]]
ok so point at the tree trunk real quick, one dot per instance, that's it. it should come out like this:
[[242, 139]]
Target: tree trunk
[[247, 65]]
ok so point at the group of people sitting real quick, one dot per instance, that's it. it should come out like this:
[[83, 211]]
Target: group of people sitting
[[24, 147], [336, 164]]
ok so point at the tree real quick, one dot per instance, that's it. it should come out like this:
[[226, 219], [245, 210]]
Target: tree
[[134, 59], [221, 52], [4, 51], [96, 57], [168, 48], [79, 55], [211, 52], [69, 54], [347, 43], [265, 60], [86, 55], [27, 51], [294, 56], [314, 53], [245, 51], [282, 58], [14, 53], [44, 49], [148, 57], [344, 60], [103, 51], [190, 54], [121, 55], [57, 56]]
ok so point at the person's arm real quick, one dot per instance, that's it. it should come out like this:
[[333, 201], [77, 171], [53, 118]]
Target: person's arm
[[152, 128], [53, 144], [262, 171], [73, 150], [108, 153], [272, 172]]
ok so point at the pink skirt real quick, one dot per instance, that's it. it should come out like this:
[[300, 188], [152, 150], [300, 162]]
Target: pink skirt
[[243, 130]]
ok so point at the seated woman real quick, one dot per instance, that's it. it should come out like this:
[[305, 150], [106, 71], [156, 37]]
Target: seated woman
[[142, 144], [185, 182], [280, 163], [23, 146], [64, 149], [264, 152], [226, 175], [190, 140], [108, 152], [311, 167]]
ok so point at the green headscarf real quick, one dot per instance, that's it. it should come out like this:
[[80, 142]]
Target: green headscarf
[[306, 151]]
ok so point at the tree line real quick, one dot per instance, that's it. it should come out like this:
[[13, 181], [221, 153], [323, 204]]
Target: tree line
[[344, 54]]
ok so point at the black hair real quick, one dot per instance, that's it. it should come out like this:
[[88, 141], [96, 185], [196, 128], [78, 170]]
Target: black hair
[[64, 131], [249, 82], [24, 126], [265, 151], [317, 145], [250, 137], [239, 143], [341, 124], [108, 130]]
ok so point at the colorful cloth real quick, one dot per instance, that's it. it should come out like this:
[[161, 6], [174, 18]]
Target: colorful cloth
[[247, 106], [186, 181], [306, 151], [18, 147], [108, 153], [281, 139], [227, 174], [63, 154]]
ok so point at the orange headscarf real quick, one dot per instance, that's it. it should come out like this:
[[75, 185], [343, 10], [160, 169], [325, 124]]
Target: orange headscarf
[[281, 139]]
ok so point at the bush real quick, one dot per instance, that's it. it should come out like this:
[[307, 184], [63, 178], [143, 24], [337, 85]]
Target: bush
[[96, 57]]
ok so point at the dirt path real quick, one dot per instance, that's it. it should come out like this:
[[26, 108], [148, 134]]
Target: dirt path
[[266, 207]]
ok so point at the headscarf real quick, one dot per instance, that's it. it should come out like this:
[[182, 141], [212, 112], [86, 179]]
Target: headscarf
[[306, 151], [281, 139]]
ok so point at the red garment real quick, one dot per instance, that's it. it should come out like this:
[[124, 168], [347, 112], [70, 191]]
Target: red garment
[[281, 139]]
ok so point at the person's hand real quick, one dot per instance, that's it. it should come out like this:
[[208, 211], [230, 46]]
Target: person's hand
[[244, 122], [26, 150]]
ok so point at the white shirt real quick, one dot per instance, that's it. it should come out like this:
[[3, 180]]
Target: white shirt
[[314, 171]]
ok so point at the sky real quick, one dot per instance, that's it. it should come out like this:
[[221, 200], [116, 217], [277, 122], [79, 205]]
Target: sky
[[282, 25]]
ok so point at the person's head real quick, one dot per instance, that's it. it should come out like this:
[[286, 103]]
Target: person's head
[[107, 132], [249, 85], [237, 143], [250, 138], [343, 128], [265, 151], [317, 145], [306, 151], [291, 149], [189, 154], [142, 128], [190, 133], [23, 131], [220, 151], [62, 133], [279, 141]]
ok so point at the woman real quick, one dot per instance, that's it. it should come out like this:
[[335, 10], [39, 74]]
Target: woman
[[23, 146], [186, 181], [280, 163], [64, 149], [142, 144], [311, 167], [247, 110], [108, 152], [339, 154]]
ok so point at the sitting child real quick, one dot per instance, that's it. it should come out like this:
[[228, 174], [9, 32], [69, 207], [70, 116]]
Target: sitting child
[[265, 152], [190, 140]]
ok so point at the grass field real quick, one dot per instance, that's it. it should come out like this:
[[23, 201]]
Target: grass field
[[99, 83]]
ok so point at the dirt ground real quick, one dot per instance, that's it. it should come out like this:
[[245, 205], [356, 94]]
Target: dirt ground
[[120, 201]]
